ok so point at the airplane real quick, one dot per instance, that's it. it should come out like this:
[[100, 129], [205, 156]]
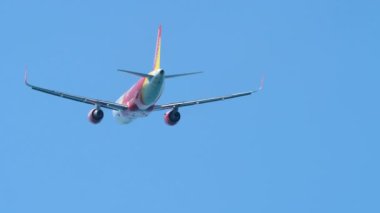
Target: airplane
[[141, 98]]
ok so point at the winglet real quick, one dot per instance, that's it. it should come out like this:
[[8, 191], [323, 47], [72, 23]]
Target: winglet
[[262, 83], [157, 55], [26, 76]]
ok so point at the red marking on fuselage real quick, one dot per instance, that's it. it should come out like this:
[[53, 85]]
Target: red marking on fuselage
[[132, 106], [131, 97]]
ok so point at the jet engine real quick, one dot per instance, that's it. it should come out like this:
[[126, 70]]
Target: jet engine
[[95, 116], [172, 117]]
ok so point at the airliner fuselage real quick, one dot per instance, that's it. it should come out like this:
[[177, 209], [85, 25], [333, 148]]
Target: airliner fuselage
[[141, 97]]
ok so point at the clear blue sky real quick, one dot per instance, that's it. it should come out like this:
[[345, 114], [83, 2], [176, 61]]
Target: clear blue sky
[[308, 143]]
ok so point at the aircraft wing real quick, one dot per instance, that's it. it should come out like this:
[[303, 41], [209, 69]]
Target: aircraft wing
[[96, 102], [201, 101]]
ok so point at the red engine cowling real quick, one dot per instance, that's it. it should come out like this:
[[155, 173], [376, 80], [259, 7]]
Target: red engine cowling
[[95, 116], [172, 117]]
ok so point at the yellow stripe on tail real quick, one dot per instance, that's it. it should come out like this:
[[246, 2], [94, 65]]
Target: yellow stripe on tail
[[157, 55]]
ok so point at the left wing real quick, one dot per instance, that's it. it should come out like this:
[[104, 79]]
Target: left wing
[[96, 102]]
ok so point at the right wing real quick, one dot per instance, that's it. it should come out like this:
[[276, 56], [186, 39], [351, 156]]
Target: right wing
[[206, 100], [96, 102], [200, 101]]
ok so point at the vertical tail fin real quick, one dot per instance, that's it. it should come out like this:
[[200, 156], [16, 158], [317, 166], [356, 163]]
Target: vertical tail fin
[[157, 55]]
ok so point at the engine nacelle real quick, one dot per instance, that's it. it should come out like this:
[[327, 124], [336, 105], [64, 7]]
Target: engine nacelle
[[172, 117], [95, 116]]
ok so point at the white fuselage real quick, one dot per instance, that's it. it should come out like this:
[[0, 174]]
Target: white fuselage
[[141, 97]]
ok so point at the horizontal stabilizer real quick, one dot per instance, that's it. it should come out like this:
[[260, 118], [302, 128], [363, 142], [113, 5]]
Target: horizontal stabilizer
[[136, 73], [182, 74]]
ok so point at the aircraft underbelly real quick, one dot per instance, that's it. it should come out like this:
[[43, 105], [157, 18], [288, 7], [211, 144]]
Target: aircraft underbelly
[[127, 116]]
